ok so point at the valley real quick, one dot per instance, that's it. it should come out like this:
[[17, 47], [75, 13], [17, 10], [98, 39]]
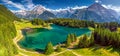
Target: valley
[[36, 30], [93, 50]]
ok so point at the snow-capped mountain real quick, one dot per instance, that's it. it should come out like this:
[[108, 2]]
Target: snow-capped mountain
[[38, 12], [64, 13], [95, 12]]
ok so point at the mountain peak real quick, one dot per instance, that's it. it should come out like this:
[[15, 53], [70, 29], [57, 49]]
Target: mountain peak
[[39, 9], [95, 5]]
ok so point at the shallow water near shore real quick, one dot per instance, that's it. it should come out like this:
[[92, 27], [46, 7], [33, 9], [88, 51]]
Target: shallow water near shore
[[39, 38]]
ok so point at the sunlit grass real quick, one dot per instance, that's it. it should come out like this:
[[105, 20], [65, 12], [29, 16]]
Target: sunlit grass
[[22, 25], [97, 51], [67, 53]]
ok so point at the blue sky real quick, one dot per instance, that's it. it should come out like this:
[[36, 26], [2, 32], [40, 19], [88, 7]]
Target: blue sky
[[57, 4]]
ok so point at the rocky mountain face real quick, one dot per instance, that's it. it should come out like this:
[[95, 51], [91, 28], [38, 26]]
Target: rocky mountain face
[[64, 13], [95, 12], [37, 12]]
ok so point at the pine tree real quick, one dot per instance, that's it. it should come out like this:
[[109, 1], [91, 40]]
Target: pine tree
[[92, 39], [68, 41], [49, 49], [83, 42], [72, 37], [75, 37], [80, 45]]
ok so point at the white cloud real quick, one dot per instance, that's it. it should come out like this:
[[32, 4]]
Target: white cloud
[[17, 5], [116, 8], [27, 6], [61, 9], [97, 1]]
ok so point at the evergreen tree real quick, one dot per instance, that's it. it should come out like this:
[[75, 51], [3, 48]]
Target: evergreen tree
[[75, 37], [92, 40], [106, 37], [80, 45], [49, 49], [68, 41], [72, 37], [84, 42]]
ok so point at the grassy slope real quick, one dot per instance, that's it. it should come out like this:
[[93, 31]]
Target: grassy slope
[[7, 32], [98, 51], [67, 53]]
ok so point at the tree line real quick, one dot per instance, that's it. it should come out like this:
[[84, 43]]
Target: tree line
[[83, 23], [72, 22], [106, 37], [37, 21]]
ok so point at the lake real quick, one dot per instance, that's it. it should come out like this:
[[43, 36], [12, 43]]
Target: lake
[[39, 38]]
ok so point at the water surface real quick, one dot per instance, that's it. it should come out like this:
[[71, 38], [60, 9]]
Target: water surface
[[41, 36]]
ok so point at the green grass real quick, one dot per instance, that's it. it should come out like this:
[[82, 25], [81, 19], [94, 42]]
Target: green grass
[[97, 51], [92, 29], [67, 53], [26, 24]]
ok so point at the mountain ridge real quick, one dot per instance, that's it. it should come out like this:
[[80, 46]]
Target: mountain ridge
[[94, 12]]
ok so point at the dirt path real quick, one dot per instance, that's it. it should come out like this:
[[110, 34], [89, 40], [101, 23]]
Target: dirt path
[[65, 51], [58, 53], [16, 39], [75, 53]]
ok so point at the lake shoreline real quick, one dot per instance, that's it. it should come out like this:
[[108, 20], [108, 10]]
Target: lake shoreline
[[44, 34]]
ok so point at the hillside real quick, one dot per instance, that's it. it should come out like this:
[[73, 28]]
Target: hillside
[[7, 32]]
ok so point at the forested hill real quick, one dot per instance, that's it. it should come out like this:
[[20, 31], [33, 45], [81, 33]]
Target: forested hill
[[7, 32]]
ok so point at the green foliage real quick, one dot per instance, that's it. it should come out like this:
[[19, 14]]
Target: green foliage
[[75, 37], [49, 49], [82, 23], [85, 41], [72, 22], [38, 22], [68, 41], [106, 37], [58, 49], [92, 41], [111, 25], [7, 32]]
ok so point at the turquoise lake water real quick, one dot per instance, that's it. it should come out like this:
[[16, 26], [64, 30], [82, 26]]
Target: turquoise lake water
[[41, 36]]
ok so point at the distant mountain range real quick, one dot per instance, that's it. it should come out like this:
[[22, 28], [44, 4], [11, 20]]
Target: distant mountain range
[[95, 12], [37, 12]]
